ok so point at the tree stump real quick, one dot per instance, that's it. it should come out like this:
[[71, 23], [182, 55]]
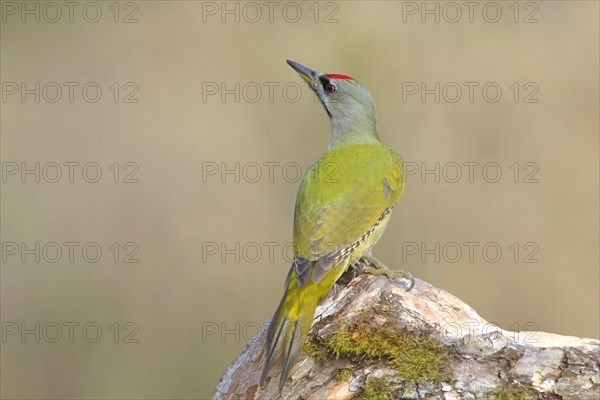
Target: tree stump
[[373, 340]]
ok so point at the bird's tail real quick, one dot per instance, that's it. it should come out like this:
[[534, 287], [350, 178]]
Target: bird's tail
[[289, 326]]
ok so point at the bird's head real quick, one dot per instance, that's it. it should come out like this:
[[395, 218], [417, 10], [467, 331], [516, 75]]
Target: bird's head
[[348, 104]]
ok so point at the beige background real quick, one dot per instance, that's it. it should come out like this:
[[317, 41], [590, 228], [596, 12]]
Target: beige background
[[177, 291]]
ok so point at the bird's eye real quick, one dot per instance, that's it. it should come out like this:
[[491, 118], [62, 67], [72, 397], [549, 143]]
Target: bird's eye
[[330, 88]]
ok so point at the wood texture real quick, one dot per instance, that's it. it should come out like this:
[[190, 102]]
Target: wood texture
[[360, 332]]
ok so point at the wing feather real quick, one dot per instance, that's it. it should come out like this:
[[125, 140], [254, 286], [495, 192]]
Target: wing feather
[[333, 215]]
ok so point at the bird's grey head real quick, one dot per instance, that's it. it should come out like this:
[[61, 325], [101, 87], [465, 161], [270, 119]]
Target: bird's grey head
[[348, 104]]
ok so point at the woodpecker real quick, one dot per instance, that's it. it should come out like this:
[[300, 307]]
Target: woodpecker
[[344, 204]]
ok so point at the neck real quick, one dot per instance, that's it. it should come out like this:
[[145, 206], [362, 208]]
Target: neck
[[345, 132]]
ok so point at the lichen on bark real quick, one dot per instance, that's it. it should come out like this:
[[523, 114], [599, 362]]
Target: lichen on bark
[[372, 340]]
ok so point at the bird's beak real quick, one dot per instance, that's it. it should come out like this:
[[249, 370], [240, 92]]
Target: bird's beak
[[311, 77]]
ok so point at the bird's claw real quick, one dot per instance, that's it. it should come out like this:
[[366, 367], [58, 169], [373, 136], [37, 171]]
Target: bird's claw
[[373, 266], [359, 266]]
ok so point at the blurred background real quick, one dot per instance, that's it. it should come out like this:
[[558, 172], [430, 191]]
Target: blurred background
[[151, 154]]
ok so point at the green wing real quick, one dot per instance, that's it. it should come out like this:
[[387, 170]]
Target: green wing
[[343, 196]]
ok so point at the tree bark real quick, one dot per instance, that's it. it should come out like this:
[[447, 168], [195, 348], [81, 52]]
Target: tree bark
[[373, 340]]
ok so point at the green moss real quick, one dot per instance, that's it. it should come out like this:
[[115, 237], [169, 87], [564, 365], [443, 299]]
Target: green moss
[[314, 350], [415, 357], [515, 392], [375, 390], [344, 375]]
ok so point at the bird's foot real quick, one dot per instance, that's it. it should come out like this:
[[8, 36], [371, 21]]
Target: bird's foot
[[359, 267], [373, 266]]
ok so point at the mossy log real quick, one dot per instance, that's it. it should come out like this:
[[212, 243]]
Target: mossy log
[[372, 340]]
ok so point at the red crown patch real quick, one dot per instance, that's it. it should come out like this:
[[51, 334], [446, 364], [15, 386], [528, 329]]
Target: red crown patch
[[339, 76]]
